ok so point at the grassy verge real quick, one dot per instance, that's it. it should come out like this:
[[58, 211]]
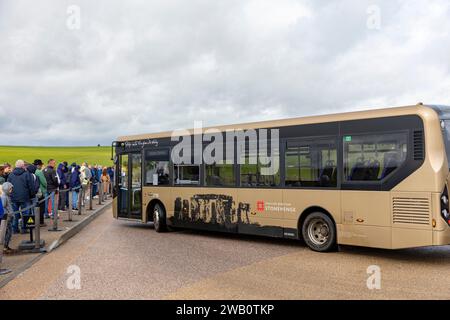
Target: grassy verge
[[92, 155]]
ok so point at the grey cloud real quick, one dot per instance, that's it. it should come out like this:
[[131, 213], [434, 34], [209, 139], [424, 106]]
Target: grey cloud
[[148, 66]]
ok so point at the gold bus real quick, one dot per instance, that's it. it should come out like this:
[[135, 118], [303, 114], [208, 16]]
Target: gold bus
[[375, 178]]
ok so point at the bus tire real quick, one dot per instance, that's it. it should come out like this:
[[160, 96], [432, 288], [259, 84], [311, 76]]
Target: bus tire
[[159, 218], [319, 232]]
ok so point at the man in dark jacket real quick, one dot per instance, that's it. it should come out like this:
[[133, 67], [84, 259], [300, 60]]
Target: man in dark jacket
[[43, 189], [52, 185], [63, 184], [35, 185], [67, 174], [23, 191]]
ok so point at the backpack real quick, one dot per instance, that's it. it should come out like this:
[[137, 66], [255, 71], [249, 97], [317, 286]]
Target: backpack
[[36, 186]]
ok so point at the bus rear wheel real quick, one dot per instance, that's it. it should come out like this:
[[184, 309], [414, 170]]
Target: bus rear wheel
[[159, 218], [319, 232]]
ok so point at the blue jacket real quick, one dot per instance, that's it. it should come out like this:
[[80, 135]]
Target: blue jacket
[[75, 178], [62, 169], [94, 173], [2, 212], [111, 173], [23, 185]]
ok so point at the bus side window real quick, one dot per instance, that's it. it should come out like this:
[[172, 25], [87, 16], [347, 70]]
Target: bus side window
[[311, 163], [373, 157], [187, 174]]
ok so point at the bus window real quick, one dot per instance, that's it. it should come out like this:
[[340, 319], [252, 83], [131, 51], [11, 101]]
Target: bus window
[[373, 157], [258, 171], [311, 164], [220, 175], [156, 167], [187, 174], [157, 173]]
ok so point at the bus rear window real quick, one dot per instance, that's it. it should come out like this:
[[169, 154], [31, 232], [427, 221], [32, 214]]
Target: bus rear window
[[445, 124]]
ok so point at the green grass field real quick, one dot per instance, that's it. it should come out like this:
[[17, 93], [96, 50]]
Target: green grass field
[[92, 155]]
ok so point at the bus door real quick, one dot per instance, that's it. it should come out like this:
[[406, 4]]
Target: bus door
[[130, 186]]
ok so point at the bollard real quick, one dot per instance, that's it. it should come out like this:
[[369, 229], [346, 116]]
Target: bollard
[[80, 195], [55, 214], [69, 210], [37, 231], [3, 224], [100, 193], [91, 191], [37, 228]]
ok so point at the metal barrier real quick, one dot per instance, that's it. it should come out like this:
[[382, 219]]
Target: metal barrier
[[36, 244]]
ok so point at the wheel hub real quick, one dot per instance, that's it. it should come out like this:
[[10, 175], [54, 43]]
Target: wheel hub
[[318, 231]]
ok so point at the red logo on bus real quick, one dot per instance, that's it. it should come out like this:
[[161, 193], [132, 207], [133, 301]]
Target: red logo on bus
[[260, 205]]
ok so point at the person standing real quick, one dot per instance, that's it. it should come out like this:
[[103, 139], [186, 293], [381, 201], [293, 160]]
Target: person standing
[[6, 171], [35, 187], [94, 179], [75, 185], [2, 172], [5, 199], [52, 186], [85, 176], [61, 171], [106, 181], [23, 190], [111, 178], [67, 173], [42, 188]]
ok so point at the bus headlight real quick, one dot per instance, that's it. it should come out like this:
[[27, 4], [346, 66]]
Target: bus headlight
[[444, 199], [445, 214]]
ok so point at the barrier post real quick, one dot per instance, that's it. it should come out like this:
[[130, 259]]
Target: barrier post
[[91, 191], [55, 214], [80, 195], [3, 225], [69, 210], [37, 228], [37, 231], [100, 193]]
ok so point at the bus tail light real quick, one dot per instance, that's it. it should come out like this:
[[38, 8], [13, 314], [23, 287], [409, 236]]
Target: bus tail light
[[445, 208]]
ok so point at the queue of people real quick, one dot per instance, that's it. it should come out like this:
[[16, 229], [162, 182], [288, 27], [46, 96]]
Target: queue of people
[[30, 185]]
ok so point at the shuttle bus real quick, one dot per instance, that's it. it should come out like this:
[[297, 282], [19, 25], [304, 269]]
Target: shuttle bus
[[375, 178]]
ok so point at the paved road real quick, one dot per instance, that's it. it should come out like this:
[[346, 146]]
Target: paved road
[[121, 260]]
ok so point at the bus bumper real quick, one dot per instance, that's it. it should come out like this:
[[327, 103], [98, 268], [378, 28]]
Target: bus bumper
[[441, 238]]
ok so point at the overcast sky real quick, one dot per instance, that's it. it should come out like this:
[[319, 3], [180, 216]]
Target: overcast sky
[[129, 67]]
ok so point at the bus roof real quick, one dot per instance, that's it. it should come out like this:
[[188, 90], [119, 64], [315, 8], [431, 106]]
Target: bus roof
[[419, 109]]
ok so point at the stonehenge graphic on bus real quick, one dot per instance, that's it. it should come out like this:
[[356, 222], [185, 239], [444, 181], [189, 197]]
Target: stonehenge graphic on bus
[[211, 209]]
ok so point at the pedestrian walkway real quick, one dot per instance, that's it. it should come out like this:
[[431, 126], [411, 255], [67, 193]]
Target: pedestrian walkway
[[19, 260]]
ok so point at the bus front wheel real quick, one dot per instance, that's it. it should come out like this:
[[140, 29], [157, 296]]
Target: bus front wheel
[[319, 232], [159, 218]]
